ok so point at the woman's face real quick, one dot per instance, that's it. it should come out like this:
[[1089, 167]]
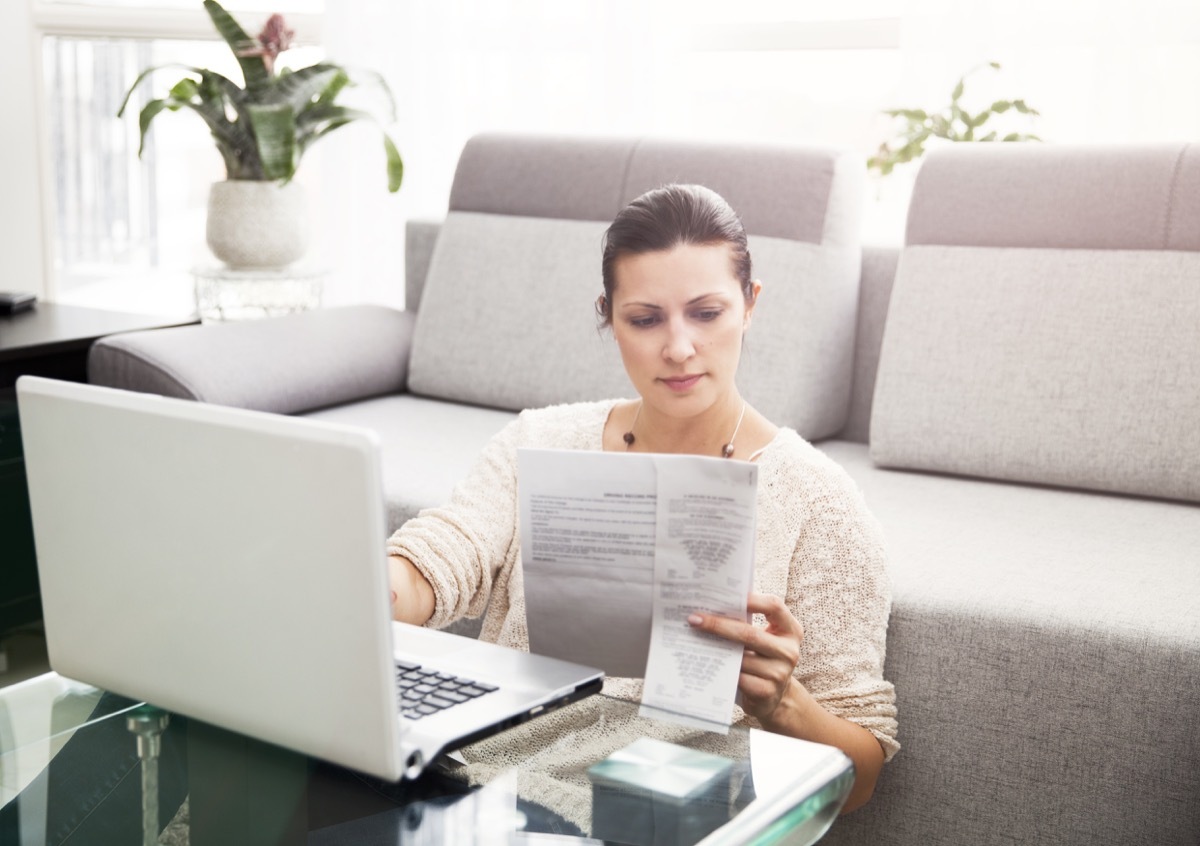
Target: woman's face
[[678, 316]]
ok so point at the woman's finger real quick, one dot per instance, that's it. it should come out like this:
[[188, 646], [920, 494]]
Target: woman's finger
[[778, 615]]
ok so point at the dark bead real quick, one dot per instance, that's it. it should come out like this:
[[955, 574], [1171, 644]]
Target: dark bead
[[727, 451], [628, 439]]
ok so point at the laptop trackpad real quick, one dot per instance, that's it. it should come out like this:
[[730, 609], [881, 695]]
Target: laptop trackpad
[[427, 642]]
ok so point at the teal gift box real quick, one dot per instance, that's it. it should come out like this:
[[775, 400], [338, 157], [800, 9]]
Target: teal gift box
[[653, 793]]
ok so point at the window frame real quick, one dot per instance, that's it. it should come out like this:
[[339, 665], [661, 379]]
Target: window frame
[[27, 226]]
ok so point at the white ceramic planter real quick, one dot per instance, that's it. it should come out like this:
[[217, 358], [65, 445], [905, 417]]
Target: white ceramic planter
[[255, 224]]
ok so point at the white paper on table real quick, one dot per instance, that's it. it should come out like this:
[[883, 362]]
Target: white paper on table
[[610, 576], [704, 561]]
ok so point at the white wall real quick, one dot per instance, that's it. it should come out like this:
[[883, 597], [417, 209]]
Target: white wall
[[1101, 71], [814, 72], [23, 219]]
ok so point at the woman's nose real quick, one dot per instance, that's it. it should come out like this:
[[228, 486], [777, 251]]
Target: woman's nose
[[679, 346]]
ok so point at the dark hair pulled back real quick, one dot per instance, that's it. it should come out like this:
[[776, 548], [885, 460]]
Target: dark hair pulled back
[[667, 217]]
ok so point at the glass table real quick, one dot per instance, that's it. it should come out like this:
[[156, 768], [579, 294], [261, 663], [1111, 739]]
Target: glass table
[[79, 765]]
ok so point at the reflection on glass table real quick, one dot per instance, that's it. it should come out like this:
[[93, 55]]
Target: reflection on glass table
[[80, 765]]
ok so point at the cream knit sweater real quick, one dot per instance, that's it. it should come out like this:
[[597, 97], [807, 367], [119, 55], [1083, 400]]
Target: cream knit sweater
[[817, 546]]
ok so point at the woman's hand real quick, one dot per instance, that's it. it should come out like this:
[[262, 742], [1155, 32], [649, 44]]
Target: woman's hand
[[783, 705], [771, 653]]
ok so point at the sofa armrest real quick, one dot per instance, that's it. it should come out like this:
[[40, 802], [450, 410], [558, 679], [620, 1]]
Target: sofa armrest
[[285, 364]]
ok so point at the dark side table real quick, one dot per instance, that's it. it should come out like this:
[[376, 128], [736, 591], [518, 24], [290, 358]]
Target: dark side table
[[48, 340]]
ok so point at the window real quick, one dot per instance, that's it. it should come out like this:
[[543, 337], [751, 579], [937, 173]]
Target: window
[[122, 232]]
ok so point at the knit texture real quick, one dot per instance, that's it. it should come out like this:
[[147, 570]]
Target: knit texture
[[816, 545]]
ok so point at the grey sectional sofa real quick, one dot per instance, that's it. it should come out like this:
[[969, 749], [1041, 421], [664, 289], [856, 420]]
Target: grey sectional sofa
[[1016, 391]]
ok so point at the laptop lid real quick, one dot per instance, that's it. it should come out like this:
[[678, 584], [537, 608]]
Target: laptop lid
[[221, 563]]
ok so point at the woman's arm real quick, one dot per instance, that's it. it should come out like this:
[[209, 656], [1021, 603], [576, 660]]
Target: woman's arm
[[442, 563], [412, 595], [772, 694], [800, 715]]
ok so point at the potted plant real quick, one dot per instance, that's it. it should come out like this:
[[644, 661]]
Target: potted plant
[[262, 129], [953, 123], [895, 163]]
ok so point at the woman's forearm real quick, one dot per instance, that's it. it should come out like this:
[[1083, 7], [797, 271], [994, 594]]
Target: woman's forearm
[[800, 715], [414, 602]]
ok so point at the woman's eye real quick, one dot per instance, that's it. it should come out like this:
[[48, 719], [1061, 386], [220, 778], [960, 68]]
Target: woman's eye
[[708, 314], [643, 322]]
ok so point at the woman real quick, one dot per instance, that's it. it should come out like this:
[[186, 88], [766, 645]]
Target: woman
[[679, 297]]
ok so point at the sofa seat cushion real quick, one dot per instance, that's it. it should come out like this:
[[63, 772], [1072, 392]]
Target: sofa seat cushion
[[428, 446], [1063, 367], [1051, 638]]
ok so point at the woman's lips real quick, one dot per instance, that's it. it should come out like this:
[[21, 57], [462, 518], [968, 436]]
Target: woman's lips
[[681, 383]]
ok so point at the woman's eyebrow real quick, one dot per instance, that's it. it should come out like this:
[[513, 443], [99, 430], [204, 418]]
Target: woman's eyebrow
[[695, 300], [692, 301]]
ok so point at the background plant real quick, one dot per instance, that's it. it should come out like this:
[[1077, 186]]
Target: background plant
[[263, 129], [954, 123]]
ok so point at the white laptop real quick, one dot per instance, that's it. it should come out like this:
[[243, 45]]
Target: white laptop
[[229, 565]]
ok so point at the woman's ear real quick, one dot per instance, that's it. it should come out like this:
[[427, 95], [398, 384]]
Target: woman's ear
[[755, 290]]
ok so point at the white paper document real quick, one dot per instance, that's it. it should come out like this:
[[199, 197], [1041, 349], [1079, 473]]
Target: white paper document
[[618, 549]]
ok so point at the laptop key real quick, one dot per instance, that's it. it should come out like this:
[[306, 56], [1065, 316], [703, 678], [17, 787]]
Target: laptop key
[[405, 665], [438, 702], [426, 709], [486, 688], [471, 691], [453, 697]]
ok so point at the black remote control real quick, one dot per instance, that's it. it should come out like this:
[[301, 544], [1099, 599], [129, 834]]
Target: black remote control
[[13, 301]]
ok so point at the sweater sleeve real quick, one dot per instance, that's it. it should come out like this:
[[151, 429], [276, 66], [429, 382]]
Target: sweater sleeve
[[461, 546], [839, 591]]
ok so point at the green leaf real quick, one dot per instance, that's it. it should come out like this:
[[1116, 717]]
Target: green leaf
[[300, 88], [317, 122], [148, 113], [395, 165], [185, 89], [1001, 106], [909, 114], [980, 119], [254, 69], [991, 136], [274, 132], [138, 81], [958, 90]]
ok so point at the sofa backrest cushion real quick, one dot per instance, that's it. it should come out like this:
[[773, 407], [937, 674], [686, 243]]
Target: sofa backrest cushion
[[1043, 323], [507, 316]]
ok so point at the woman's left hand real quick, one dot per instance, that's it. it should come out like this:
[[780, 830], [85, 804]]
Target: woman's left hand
[[771, 653]]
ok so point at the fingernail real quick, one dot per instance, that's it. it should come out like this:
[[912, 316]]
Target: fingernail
[[695, 619]]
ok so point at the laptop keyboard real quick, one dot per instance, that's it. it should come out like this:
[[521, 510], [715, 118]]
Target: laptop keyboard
[[424, 692]]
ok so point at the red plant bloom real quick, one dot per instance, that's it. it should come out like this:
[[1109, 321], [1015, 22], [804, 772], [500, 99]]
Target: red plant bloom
[[273, 40]]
